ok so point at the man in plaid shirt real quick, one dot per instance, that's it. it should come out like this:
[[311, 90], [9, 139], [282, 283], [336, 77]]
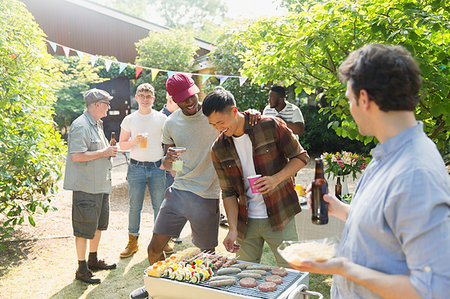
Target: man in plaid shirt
[[270, 149]]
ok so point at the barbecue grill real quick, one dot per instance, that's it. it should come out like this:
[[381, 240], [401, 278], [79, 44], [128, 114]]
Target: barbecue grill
[[294, 286]]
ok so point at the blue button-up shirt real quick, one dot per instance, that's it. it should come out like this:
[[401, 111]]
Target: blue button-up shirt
[[399, 220]]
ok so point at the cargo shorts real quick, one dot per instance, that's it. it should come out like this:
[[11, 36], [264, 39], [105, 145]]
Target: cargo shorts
[[90, 212]]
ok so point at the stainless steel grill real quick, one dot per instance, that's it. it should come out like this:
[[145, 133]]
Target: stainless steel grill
[[293, 286]]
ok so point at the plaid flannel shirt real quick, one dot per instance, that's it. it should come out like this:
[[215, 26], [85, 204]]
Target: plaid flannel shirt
[[273, 145]]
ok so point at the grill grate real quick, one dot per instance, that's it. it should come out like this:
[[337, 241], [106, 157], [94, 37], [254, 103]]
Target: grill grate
[[288, 281]]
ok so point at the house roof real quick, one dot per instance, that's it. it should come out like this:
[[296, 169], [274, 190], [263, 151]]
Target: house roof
[[95, 29]]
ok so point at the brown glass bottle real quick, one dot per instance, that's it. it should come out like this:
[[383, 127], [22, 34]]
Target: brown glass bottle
[[338, 189], [319, 188], [113, 140]]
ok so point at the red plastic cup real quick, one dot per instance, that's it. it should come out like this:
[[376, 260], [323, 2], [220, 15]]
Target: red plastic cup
[[251, 181]]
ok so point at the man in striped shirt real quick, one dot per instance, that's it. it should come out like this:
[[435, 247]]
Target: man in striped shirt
[[288, 112]]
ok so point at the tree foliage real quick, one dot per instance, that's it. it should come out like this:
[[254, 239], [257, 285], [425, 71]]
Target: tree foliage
[[306, 47], [74, 78], [30, 148], [168, 50], [228, 62]]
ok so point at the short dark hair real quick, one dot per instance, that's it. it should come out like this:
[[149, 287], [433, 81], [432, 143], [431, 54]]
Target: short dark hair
[[218, 100], [279, 90], [389, 74]]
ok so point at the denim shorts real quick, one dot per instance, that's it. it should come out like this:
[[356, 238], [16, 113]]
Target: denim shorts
[[90, 212], [181, 206]]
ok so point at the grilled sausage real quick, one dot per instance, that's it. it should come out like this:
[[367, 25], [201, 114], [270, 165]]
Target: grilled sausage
[[260, 272], [221, 277], [230, 270], [259, 267], [240, 266], [223, 282]]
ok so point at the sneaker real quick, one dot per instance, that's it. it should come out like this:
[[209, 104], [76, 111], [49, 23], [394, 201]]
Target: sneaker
[[223, 220], [177, 240], [139, 293]]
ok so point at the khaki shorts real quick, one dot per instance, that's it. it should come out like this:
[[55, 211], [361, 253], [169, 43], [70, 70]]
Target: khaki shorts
[[90, 212], [260, 230], [180, 206]]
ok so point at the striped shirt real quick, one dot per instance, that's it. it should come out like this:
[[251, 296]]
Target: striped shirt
[[290, 113], [273, 145]]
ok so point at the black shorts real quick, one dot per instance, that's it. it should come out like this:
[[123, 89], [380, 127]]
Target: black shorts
[[90, 212]]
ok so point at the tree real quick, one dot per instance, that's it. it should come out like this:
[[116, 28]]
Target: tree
[[306, 47], [75, 77], [203, 17], [168, 50], [30, 148], [228, 62]]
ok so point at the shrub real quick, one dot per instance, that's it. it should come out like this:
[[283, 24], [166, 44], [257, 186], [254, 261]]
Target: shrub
[[30, 148]]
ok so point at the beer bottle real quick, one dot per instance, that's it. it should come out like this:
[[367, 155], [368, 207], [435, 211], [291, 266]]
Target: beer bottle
[[319, 188], [338, 189], [113, 140]]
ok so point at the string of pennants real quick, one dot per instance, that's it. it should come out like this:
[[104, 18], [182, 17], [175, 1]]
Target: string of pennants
[[138, 69]]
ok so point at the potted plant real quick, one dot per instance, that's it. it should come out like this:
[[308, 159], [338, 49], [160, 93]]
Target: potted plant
[[343, 164]]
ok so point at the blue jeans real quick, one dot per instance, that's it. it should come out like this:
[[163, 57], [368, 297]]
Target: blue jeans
[[139, 177]]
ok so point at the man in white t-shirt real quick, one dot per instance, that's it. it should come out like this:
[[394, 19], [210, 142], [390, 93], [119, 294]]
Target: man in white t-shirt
[[141, 133], [288, 112]]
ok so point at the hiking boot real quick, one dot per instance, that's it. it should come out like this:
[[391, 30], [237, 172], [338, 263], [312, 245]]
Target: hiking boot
[[176, 240], [139, 293], [132, 247], [100, 265], [87, 277], [168, 249]]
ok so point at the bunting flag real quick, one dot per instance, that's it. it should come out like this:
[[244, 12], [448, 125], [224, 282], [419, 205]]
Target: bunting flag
[[80, 54], [154, 73], [242, 80], [262, 85], [204, 78], [53, 45], [122, 66], [223, 79], [93, 60], [281, 84], [107, 64], [66, 51], [138, 70]]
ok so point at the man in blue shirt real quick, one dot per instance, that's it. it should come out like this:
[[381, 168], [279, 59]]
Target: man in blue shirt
[[396, 241]]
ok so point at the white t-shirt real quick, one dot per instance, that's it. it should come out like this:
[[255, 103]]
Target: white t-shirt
[[256, 205], [152, 124], [195, 134]]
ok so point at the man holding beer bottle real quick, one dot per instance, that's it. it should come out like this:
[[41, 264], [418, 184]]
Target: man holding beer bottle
[[88, 175], [141, 133], [395, 242]]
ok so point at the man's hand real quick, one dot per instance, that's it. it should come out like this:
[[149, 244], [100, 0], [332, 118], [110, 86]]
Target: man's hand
[[230, 242], [173, 154], [266, 184], [110, 151], [335, 207], [332, 266], [254, 116]]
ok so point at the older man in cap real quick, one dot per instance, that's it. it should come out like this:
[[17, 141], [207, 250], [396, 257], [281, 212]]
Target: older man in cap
[[88, 175]]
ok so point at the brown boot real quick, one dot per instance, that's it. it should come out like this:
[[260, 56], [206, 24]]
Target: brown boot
[[168, 249], [132, 247]]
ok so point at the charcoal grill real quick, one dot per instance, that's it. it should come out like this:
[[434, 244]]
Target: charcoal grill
[[294, 286]]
